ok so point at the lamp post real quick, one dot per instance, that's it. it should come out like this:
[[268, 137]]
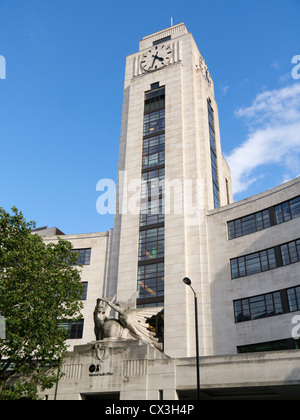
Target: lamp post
[[188, 282]]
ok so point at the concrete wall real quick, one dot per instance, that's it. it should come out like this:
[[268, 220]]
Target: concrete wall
[[134, 371], [226, 334], [95, 274]]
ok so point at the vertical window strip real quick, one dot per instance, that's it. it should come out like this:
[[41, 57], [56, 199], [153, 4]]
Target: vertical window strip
[[151, 241], [214, 166]]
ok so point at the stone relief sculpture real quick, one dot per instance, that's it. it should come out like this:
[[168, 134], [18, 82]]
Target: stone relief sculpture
[[131, 322]]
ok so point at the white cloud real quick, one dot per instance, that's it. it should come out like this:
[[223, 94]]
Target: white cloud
[[275, 65], [225, 89], [273, 120]]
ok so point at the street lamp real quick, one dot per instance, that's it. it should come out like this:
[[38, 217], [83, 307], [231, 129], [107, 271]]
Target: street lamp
[[188, 282]]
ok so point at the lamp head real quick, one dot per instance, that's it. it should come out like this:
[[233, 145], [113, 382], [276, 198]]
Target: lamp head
[[187, 281]]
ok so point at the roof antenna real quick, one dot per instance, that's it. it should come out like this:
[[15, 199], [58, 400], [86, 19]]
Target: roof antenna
[[171, 21]]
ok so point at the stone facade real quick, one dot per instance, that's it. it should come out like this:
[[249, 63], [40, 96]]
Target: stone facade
[[227, 334], [197, 245], [123, 370]]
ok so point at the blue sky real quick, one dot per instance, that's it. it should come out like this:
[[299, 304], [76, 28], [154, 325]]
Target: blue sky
[[61, 101]]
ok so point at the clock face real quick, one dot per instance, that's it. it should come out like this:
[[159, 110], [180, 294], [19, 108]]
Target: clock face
[[156, 58]]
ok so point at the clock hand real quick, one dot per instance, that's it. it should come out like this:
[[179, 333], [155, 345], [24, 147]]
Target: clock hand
[[155, 57]]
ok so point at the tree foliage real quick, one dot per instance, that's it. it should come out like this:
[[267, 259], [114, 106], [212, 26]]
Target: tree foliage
[[39, 287]]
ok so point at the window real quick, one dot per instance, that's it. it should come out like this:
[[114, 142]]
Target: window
[[151, 244], [279, 345], [264, 219], [212, 138], [151, 281], [153, 86], [151, 237], [216, 196], [84, 256], [262, 306], [265, 260], [153, 184], [154, 151], [288, 210], [269, 304], [74, 329], [293, 296], [154, 122], [152, 212], [155, 98], [290, 252], [84, 293], [162, 40], [227, 191], [249, 224], [253, 263], [214, 167]]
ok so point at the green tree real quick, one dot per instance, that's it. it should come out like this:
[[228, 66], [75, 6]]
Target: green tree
[[39, 287]]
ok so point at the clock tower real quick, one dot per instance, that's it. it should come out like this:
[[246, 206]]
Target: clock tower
[[171, 171]]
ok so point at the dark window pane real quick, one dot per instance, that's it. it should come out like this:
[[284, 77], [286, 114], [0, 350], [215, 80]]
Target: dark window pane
[[262, 347], [269, 304], [291, 293], [257, 306], [277, 303], [264, 261], [234, 269], [286, 211], [248, 224], [259, 221], [242, 266], [238, 311], [285, 254], [238, 228], [246, 309], [151, 281], [271, 258], [252, 264], [279, 214], [74, 329], [293, 252], [84, 293], [84, 256], [266, 219], [231, 230], [295, 207]]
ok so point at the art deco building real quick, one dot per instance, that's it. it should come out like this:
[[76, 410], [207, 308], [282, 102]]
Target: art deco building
[[175, 218]]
